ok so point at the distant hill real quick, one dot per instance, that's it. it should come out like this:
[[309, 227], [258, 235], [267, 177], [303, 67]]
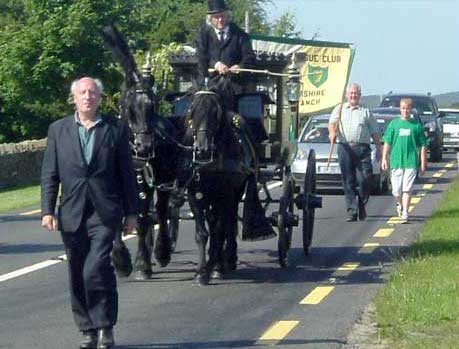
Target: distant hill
[[444, 100]]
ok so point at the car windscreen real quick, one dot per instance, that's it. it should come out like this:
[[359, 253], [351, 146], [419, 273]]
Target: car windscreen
[[421, 104], [316, 131], [451, 118]]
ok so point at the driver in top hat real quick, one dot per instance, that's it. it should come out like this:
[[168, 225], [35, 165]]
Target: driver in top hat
[[221, 44]]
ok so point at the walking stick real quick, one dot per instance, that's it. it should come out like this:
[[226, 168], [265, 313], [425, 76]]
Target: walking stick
[[332, 142]]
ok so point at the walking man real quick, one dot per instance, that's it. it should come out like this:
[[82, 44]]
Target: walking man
[[353, 126], [405, 152], [88, 155]]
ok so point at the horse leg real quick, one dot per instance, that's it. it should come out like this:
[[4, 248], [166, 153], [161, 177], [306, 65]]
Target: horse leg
[[201, 237], [143, 270], [231, 227], [120, 256], [163, 245], [216, 241]]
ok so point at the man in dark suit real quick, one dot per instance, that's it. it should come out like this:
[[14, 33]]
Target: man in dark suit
[[221, 44], [88, 155]]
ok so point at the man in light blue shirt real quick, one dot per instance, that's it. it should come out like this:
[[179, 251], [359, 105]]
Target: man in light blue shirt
[[353, 126]]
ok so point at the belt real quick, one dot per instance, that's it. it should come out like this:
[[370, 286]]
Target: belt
[[354, 144]]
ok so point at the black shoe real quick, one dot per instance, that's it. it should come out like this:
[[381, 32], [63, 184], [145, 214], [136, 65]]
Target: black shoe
[[351, 218], [105, 338], [362, 211], [89, 340]]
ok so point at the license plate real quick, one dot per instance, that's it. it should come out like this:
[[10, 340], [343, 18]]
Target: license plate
[[328, 170]]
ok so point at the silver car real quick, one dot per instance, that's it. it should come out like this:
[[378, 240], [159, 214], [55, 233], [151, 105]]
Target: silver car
[[315, 136], [450, 118]]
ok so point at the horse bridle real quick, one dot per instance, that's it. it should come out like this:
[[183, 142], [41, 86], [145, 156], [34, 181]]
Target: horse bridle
[[212, 145]]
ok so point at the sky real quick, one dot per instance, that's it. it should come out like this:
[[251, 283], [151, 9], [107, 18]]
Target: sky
[[401, 45]]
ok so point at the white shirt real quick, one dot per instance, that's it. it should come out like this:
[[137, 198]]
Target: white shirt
[[224, 30]]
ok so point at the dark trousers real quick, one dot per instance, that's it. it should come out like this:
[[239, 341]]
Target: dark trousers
[[356, 171], [93, 294]]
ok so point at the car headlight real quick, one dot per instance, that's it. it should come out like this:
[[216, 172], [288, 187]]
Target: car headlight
[[301, 154], [430, 125]]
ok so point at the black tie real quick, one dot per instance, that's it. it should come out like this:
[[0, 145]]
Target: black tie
[[220, 35]]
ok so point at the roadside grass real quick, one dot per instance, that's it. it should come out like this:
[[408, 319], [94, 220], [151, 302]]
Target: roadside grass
[[19, 197], [419, 307]]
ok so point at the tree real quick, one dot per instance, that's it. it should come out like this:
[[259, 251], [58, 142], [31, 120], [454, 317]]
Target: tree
[[285, 26], [44, 45]]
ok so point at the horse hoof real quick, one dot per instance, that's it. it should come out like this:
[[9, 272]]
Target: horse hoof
[[216, 275], [163, 257], [122, 273], [283, 262], [142, 275], [230, 266], [122, 262], [163, 262], [201, 279]]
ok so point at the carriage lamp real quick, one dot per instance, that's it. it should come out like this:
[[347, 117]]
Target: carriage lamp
[[293, 86], [293, 83]]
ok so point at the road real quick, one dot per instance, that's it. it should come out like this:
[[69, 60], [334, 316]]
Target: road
[[311, 304]]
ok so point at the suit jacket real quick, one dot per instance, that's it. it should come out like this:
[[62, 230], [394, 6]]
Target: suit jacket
[[107, 181], [235, 49]]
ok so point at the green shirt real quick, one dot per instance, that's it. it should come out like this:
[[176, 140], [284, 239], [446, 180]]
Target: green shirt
[[406, 137], [87, 137]]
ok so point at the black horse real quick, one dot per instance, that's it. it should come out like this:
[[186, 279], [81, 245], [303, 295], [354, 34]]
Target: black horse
[[222, 160], [153, 142]]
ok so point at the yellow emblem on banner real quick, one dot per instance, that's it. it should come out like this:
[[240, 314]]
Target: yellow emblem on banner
[[324, 73]]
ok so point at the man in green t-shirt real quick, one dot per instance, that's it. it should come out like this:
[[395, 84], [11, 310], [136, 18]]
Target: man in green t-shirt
[[404, 139]]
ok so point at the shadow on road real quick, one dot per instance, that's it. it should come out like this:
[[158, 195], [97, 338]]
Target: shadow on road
[[228, 344], [29, 248]]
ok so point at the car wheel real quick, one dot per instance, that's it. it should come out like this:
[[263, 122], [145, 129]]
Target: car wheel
[[385, 185], [436, 154], [377, 185]]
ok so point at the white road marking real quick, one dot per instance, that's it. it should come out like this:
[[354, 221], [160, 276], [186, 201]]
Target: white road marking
[[46, 264]]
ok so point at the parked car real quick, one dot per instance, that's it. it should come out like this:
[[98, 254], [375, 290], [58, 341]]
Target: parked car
[[315, 136], [450, 120], [430, 116]]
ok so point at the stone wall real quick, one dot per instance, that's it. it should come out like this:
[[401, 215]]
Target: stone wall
[[21, 162]]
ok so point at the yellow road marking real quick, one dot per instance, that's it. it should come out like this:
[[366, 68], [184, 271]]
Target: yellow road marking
[[349, 266], [279, 330], [415, 200], [427, 186], [383, 232], [30, 212], [369, 247], [437, 174], [411, 208], [449, 165], [394, 220], [442, 170], [317, 295]]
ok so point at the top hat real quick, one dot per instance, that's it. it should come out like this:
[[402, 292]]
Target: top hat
[[216, 6]]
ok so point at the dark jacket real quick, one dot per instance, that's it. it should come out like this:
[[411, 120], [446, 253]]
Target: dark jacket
[[107, 181], [236, 49]]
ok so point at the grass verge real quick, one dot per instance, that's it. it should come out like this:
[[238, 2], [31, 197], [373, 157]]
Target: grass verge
[[19, 197], [419, 307]]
